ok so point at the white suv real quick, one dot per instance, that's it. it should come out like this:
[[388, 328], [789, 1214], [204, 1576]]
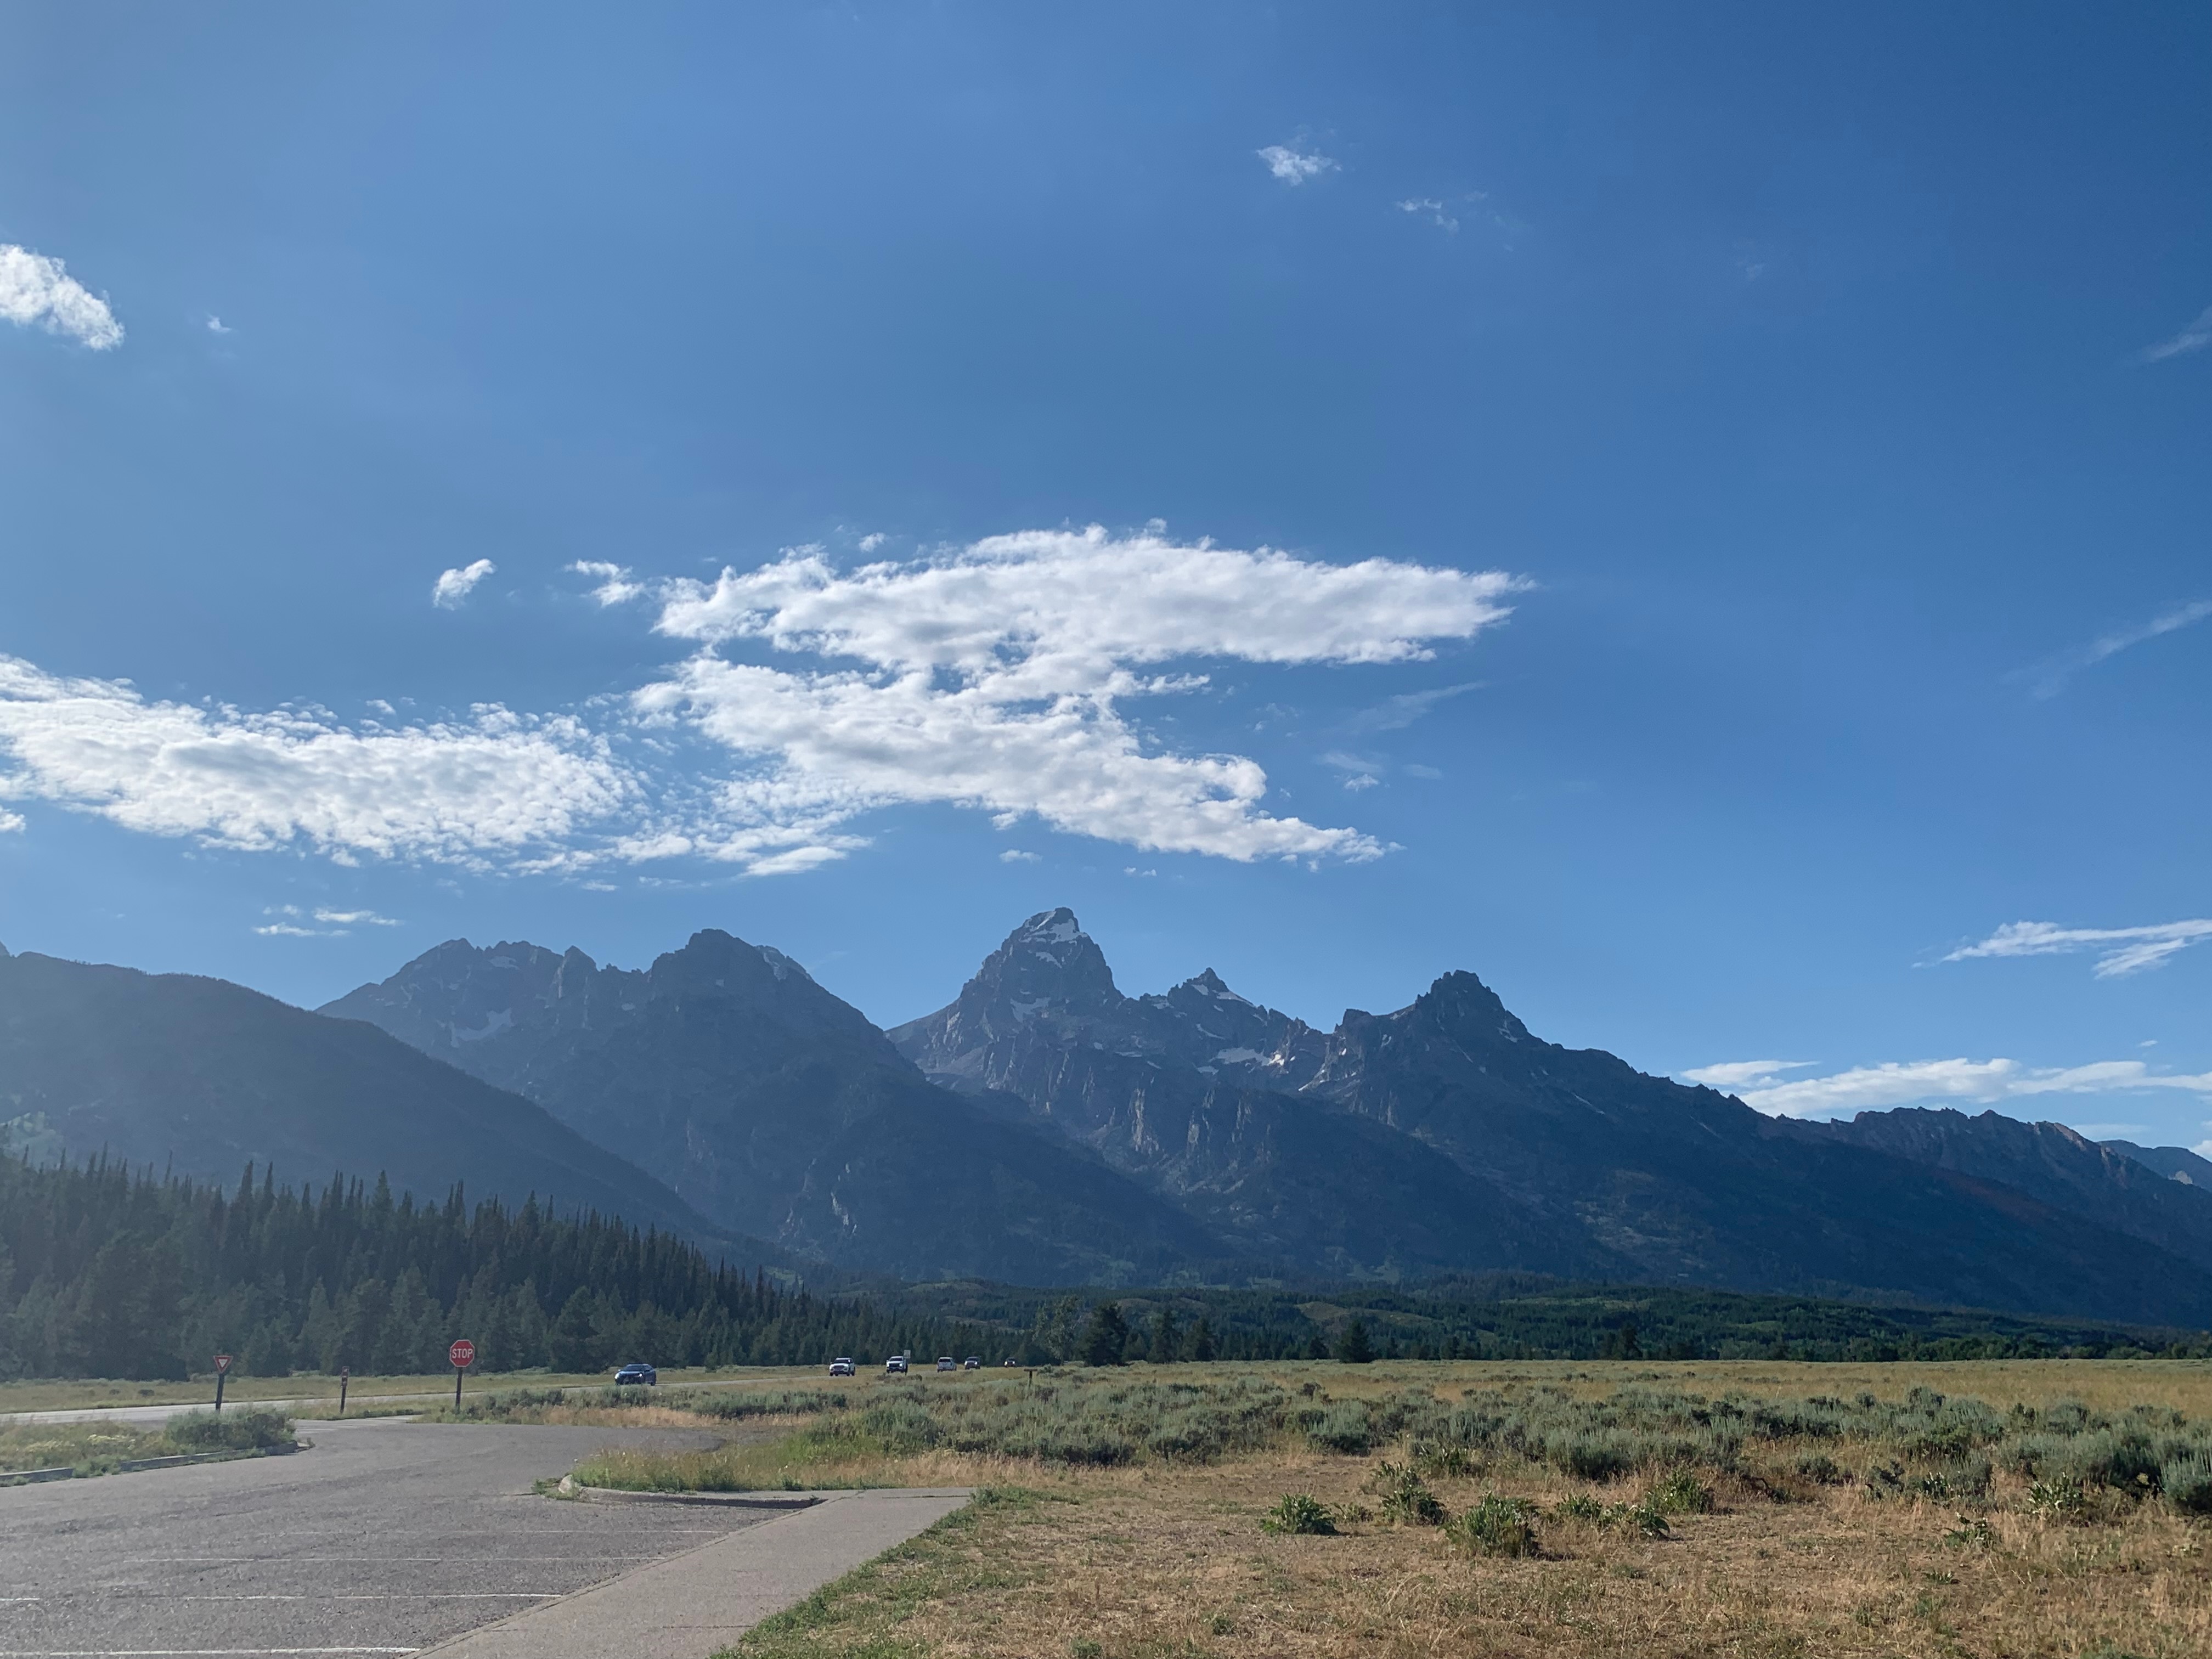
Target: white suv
[[841, 1368], [895, 1365]]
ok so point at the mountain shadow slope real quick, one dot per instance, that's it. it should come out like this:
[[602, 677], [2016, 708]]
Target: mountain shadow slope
[[202, 1076]]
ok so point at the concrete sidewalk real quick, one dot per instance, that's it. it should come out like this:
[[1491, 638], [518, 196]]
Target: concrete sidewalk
[[689, 1605]]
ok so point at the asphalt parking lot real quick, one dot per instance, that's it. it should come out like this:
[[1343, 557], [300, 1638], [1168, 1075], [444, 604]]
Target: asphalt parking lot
[[384, 1538]]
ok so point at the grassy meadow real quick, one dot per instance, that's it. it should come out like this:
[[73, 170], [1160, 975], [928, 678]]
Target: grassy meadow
[[2029, 1508]]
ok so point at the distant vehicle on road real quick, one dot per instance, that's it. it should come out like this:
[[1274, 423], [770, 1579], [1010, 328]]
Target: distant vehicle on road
[[642, 1374], [895, 1365], [841, 1368], [946, 1361], [1008, 1363], [972, 1363]]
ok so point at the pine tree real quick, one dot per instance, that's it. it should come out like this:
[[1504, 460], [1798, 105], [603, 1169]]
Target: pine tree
[[1353, 1347], [1106, 1338]]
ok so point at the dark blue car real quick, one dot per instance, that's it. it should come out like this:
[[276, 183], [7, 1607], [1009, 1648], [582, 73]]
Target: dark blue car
[[644, 1374]]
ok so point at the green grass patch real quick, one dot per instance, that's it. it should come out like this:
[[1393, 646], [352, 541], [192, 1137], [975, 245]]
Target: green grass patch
[[859, 1615], [98, 1446]]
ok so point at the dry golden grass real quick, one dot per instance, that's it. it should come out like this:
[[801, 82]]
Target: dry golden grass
[[1155, 1561], [2106, 1385], [1149, 1562]]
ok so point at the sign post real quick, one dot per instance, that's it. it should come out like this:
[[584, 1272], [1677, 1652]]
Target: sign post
[[221, 1370], [463, 1354], [345, 1375]]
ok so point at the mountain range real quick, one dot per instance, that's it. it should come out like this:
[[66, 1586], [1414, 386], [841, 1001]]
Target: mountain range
[[1044, 1128], [203, 1076]]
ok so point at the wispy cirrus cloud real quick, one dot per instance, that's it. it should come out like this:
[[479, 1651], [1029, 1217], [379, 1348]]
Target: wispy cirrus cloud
[[454, 586], [327, 923], [2121, 951], [1430, 209], [1295, 166], [2049, 676], [1761, 1084], [38, 291], [1395, 714], [2195, 337]]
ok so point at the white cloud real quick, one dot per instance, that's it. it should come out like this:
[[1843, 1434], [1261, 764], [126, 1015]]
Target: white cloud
[[1360, 772], [2195, 337], [11, 823], [336, 924], [1015, 855], [1429, 208], [458, 791], [2049, 676], [994, 677], [1295, 166], [1758, 1084], [454, 586], [37, 289], [871, 541], [216, 324], [2137, 948], [615, 585], [1736, 1073]]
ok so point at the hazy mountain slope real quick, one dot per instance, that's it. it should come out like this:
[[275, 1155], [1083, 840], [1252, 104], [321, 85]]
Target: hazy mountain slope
[[1556, 1157], [775, 1107], [2047, 1160], [2174, 1163], [203, 1075]]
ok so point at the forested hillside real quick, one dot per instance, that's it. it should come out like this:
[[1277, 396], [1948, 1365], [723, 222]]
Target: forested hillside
[[108, 1273]]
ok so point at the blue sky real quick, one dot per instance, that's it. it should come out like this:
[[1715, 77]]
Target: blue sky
[[1697, 514]]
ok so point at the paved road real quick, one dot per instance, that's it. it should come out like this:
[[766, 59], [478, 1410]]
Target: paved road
[[429, 1402], [387, 1537]]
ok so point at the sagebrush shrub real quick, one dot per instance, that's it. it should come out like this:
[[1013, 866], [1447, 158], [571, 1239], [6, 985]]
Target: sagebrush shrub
[[2187, 1483]]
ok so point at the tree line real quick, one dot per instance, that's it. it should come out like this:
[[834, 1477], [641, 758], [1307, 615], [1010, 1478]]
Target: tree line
[[108, 1271]]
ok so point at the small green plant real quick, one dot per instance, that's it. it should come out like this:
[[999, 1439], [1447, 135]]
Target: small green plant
[[1637, 1517], [1581, 1507], [1496, 1526], [1679, 1493], [1405, 1496], [1972, 1532], [1222, 1625], [1441, 1460], [1820, 1467], [1083, 1648], [2058, 1499], [1299, 1512]]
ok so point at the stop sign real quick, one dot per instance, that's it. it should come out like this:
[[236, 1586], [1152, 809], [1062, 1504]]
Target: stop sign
[[463, 1354]]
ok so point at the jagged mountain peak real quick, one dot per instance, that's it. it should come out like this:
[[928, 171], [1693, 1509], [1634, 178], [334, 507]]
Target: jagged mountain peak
[[1048, 962], [1462, 1003]]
